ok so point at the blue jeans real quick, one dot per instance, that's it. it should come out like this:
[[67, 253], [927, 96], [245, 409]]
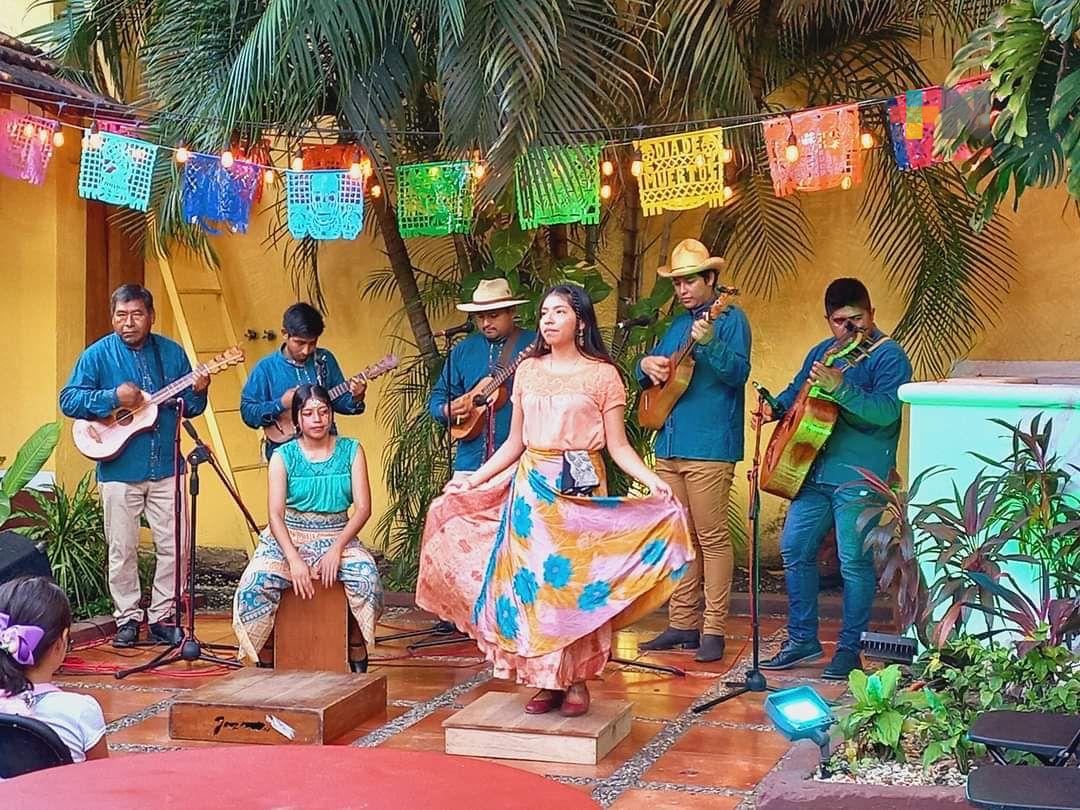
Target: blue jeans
[[814, 510]]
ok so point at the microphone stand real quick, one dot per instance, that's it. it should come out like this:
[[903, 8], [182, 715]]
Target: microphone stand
[[450, 633], [187, 647], [754, 680]]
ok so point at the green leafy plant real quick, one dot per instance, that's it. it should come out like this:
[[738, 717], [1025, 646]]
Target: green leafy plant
[[29, 460], [72, 524], [1035, 499], [1048, 622], [880, 714]]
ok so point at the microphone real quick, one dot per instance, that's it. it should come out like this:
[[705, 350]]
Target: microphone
[[190, 428], [640, 320], [460, 329], [764, 393]]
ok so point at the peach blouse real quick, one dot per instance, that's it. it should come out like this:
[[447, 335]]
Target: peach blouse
[[566, 411]]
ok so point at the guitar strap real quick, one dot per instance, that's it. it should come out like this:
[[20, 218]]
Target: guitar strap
[[157, 361], [503, 362], [320, 367]]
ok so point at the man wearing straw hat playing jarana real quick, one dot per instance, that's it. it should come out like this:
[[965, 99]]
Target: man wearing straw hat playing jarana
[[700, 442], [495, 344]]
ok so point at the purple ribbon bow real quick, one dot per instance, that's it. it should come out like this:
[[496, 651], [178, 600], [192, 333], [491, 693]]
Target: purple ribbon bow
[[19, 640]]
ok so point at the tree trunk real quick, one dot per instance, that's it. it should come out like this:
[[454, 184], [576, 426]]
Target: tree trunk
[[629, 271], [558, 242], [768, 29], [406, 282]]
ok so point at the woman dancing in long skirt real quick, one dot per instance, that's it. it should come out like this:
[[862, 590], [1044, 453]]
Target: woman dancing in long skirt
[[528, 554]]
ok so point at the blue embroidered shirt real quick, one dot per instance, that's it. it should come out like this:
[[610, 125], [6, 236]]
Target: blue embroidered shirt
[[91, 393], [260, 401], [473, 359], [706, 423], [868, 429]]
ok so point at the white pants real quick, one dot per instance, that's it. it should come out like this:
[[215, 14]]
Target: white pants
[[124, 503]]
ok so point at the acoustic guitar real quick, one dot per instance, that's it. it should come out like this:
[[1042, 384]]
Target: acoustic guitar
[[104, 439], [489, 393], [283, 429], [808, 423], [657, 401]]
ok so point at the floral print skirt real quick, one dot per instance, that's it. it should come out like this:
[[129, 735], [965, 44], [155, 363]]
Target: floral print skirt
[[541, 579]]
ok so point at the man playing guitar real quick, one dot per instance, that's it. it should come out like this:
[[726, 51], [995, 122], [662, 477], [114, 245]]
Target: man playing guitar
[[699, 443], [498, 342], [865, 435], [112, 373], [269, 388]]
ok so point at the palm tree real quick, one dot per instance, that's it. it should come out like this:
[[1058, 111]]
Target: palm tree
[[1030, 49]]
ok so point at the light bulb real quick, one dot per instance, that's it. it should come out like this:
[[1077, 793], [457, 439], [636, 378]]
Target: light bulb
[[28, 130], [365, 167], [635, 168], [268, 177], [182, 155], [356, 172], [97, 140], [699, 160], [376, 190], [479, 170], [58, 138], [297, 164], [727, 155], [867, 140], [729, 192], [791, 152], [607, 169], [433, 171], [845, 182], [605, 192], [227, 159]]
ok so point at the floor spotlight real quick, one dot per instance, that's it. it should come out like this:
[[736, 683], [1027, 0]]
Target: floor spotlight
[[802, 714]]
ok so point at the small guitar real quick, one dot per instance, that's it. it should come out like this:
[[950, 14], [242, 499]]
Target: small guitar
[[283, 428], [104, 439], [657, 401], [808, 423], [489, 393]]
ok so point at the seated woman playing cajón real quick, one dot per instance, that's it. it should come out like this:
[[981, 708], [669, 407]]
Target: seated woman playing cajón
[[313, 482]]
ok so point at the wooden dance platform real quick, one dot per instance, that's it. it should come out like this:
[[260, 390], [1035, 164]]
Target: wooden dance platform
[[496, 725], [270, 707]]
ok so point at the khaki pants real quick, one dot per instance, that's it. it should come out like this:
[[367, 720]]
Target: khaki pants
[[124, 503], [704, 488]]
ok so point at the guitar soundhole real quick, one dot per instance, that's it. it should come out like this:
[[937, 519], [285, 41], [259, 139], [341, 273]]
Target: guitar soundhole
[[123, 417]]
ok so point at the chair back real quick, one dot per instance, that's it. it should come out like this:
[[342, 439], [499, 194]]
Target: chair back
[[28, 745]]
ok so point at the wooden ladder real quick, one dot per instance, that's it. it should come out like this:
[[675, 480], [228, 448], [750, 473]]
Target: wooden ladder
[[205, 328]]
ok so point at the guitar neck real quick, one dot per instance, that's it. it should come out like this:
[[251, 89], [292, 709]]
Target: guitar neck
[[505, 374], [177, 387], [369, 373]]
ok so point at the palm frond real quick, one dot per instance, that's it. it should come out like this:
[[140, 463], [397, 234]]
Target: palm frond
[[953, 279]]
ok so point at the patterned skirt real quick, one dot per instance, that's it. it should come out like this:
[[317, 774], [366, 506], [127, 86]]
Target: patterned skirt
[[267, 577], [540, 579]]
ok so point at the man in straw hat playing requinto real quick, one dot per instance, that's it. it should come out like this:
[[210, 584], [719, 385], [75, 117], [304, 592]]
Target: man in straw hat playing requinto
[[495, 345], [700, 442]]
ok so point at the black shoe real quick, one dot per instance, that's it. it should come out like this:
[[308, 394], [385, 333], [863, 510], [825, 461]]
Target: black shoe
[[126, 634], [672, 639], [843, 663], [793, 655], [359, 666], [711, 649], [166, 633], [444, 628]]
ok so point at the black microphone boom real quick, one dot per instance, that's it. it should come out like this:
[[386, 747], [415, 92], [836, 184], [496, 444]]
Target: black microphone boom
[[190, 428], [460, 329], [767, 396], [640, 320]]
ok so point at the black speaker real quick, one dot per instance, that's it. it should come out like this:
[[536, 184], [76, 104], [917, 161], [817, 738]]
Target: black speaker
[[19, 557]]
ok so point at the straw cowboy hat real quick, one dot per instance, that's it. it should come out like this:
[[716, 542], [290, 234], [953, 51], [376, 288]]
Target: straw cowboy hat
[[690, 257], [492, 293]]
